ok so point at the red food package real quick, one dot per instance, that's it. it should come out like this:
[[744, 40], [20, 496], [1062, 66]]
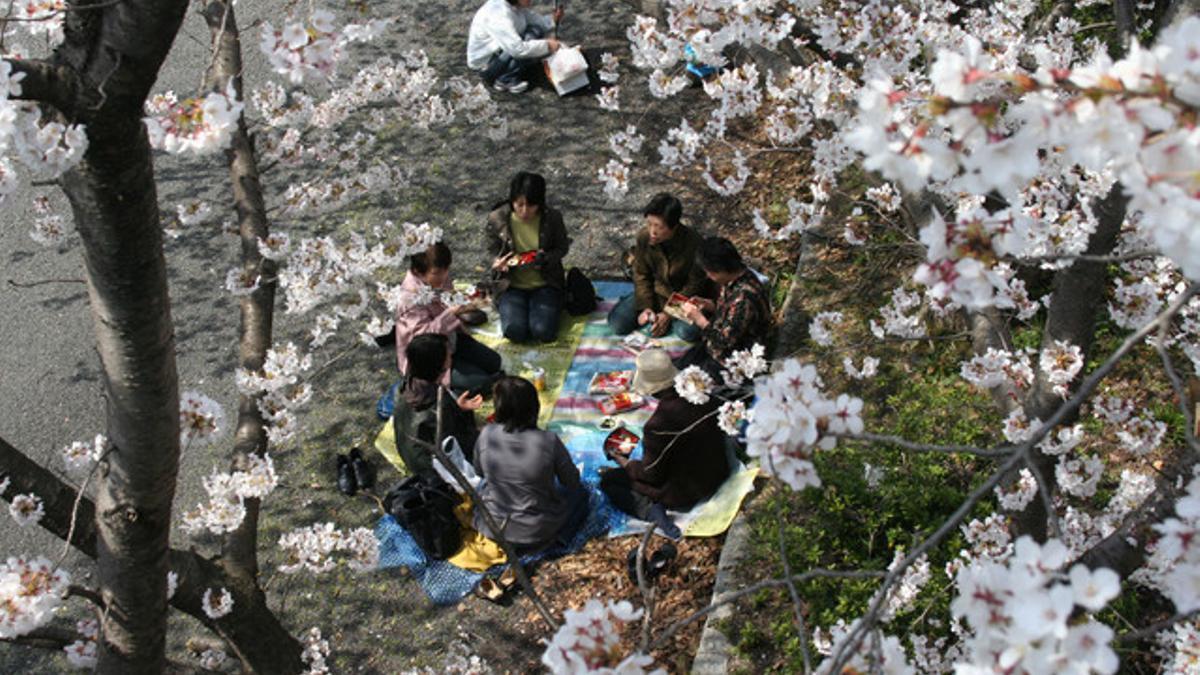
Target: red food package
[[611, 382], [621, 402], [521, 259], [674, 307], [620, 442]]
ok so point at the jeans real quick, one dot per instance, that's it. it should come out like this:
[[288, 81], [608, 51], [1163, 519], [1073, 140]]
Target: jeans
[[530, 314], [474, 365], [505, 69], [624, 315]]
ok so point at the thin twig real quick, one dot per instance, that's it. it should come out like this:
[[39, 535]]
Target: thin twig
[[1044, 491], [1002, 451], [644, 585], [43, 282], [1181, 393], [1154, 628]]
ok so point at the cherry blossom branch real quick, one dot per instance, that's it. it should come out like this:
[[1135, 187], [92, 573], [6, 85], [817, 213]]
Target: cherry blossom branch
[[88, 594], [1181, 392], [644, 586], [59, 12], [855, 635], [1002, 451], [1085, 257], [1154, 628]]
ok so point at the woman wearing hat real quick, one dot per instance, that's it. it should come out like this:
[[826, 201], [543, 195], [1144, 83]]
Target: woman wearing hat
[[683, 459]]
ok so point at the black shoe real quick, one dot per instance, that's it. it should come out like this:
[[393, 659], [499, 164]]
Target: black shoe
[[346, 482], [661, 559], [364, 473]]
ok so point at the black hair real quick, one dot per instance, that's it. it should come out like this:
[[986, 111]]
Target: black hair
[[718, 254], [531, 186], [436, 256], [517, 404], [426, 354], [665, 206]]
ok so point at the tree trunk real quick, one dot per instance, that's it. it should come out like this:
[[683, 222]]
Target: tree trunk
[[1077, 299], [114, 55]]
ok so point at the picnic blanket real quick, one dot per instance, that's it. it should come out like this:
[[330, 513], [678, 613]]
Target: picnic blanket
[[554, 358], [586, 346], [446, 583]]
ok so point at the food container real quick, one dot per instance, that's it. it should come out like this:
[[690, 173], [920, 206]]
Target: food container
[[521, 259], [620, 442], [611, 382], [622, 402], [674, 307]]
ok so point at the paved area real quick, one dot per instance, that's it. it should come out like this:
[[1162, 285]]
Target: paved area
[[50, 391]]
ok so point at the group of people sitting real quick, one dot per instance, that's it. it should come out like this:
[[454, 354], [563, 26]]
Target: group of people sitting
[[530, 483]]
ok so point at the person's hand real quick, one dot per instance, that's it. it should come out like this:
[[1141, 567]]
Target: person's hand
[[469, 403], [704, 304], [645, 317], [501, 263], [557, 15], [694, 314], [467, 306], [662, 323], [553, 43]]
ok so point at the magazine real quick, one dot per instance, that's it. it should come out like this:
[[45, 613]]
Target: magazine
[[674, 307]]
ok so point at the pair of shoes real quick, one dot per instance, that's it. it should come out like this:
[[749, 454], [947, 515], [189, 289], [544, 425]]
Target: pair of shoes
[[517, 87], [658, 516], [354, 473], [653, 566], [494, 589]]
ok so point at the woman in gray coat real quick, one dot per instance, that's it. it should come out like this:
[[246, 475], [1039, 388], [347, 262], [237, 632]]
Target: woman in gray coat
[[531, 487]]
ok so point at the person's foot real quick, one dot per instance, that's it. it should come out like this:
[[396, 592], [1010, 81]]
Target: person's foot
[[658, 516], [517, 87]]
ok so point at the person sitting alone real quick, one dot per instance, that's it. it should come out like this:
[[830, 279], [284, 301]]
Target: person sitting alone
[[664, 262], [474, 366], [530, 486], [739, 319], [683, 460], [416, 411], [507, 40]]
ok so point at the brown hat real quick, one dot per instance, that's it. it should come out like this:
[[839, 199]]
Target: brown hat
[[655, 372]]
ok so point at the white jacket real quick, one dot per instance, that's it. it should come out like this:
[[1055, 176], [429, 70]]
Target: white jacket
[[497, 27]]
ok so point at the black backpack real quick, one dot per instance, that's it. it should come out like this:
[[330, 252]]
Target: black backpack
[[424, 505], [580, 295]]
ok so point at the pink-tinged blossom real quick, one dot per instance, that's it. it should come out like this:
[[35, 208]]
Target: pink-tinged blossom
[[615, 176], [589, 641], [321, 547], [194, 125], [730, 417], [745, 364], [217, 603], [316, 650], [694, 385], [819, 327], [609, 98], [26, 509], [870, 366], [1079, 476], [31, 592], [201, 419], [1017, 496]]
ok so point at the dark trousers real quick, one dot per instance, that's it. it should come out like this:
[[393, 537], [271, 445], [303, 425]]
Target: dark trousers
[[473, 366], [530, 315], [622, 319], [697, 355], [504, 68], [617, 484]]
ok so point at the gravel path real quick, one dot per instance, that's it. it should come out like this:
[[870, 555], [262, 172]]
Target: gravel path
[[50, 391]]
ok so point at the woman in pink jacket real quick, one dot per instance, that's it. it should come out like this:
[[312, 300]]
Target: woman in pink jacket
[[424, 309]]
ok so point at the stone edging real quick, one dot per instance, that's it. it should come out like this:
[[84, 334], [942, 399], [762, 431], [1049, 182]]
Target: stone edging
[[712, 656]]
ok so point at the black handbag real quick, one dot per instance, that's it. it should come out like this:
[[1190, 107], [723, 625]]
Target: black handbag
[[579, 297], [424, 506]]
